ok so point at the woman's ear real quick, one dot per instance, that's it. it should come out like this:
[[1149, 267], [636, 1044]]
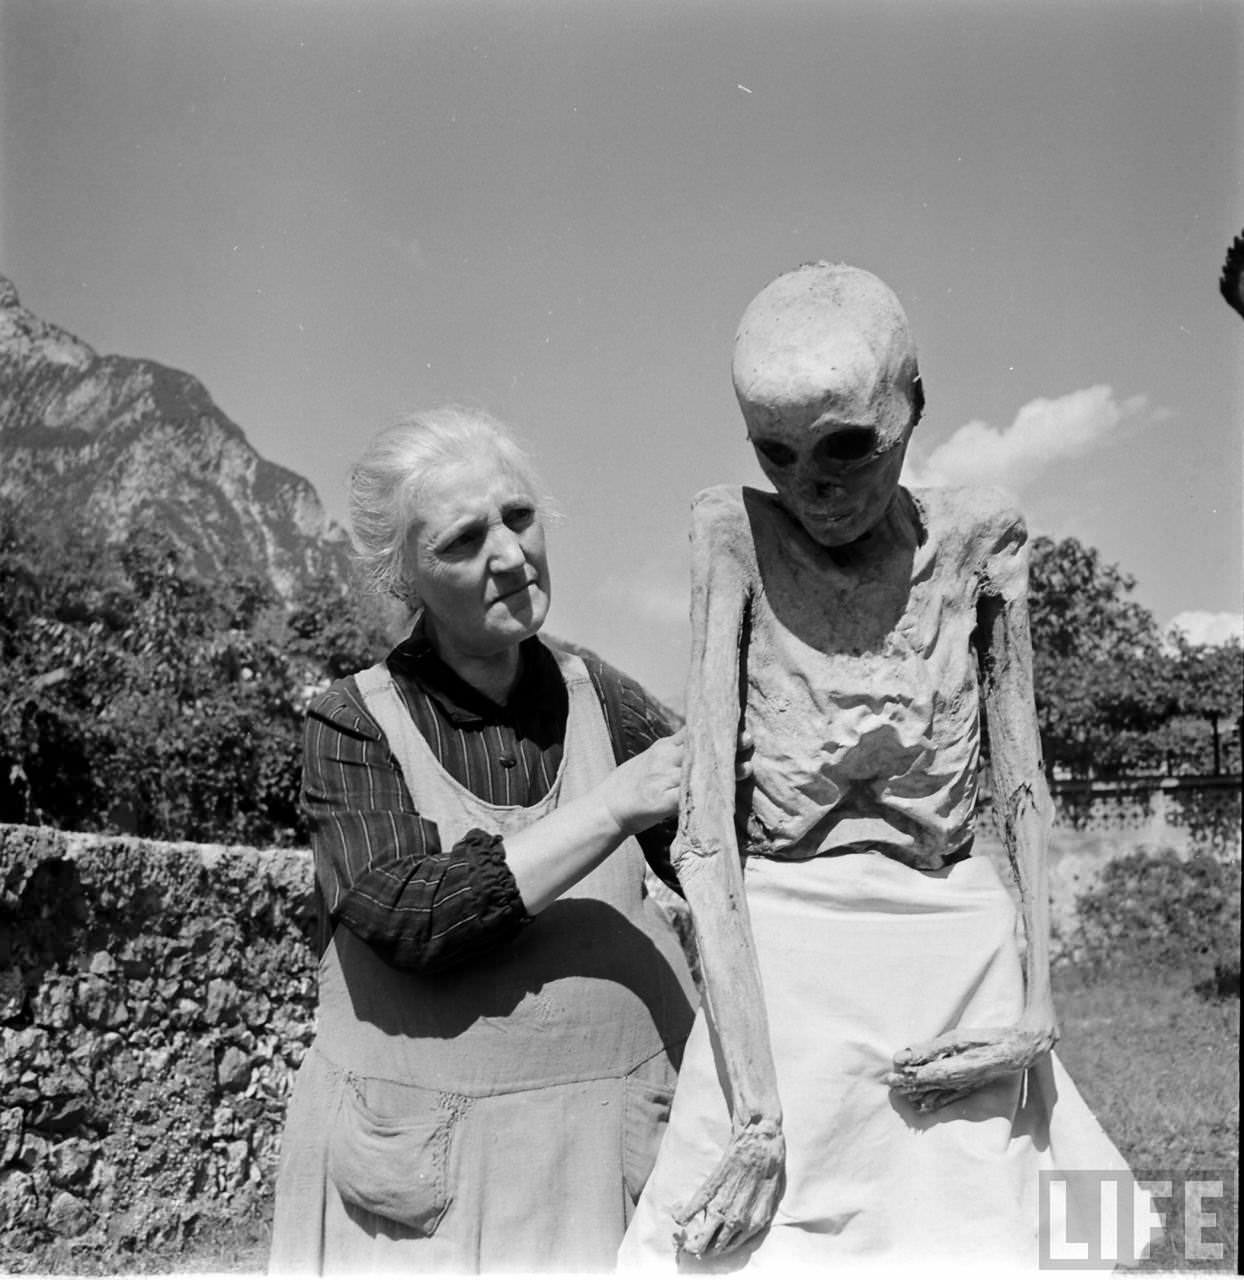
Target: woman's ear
[[405, 593]]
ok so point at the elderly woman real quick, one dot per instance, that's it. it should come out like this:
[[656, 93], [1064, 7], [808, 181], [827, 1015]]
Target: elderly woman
[[502, 1006]]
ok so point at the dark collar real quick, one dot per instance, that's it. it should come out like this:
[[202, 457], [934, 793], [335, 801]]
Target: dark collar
[[538, 678]]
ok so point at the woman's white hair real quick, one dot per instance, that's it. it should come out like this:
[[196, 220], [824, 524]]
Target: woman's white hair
[[386, 481]]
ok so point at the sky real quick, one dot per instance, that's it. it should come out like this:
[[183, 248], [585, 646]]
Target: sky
[[333, 212]]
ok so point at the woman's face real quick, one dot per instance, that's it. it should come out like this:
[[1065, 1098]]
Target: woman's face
[[476, 558]]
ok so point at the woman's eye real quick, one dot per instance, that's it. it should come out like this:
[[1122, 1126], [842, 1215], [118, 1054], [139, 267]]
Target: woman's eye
[[464, 542], [779, 455]]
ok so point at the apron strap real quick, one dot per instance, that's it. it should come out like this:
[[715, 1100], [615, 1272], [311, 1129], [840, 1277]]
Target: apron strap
[[384, 702]]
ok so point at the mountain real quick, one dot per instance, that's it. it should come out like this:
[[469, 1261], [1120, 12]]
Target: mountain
[[123, 440]]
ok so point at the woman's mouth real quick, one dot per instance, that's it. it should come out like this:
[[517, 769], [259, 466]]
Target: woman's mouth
[[511, 592]]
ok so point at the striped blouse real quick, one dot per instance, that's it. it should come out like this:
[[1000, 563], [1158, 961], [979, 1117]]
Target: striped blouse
[[380, 867]]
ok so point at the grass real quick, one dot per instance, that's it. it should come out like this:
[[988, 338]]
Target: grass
[[1158, 1064]]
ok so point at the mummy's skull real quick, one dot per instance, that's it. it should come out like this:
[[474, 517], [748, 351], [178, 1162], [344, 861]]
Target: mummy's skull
[[826, 377]]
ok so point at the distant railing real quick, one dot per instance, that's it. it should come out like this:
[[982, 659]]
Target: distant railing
[[1193, 813]]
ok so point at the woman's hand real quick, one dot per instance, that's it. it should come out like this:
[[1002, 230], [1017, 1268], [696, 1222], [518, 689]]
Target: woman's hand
[[549, 856], [644, 789]]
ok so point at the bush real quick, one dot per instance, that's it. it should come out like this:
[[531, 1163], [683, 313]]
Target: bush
[[1153, 908], [139, 698]]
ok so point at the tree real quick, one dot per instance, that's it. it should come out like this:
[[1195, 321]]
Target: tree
[[138, 697], [1103, 684], [56, 609], [337, 626], [1209, 685]]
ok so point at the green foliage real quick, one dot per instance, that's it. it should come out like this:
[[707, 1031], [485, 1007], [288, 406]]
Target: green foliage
[[1208, 687], [1152, 909], [1095, 654], [1112, 697], [140, 698], [332, 629]]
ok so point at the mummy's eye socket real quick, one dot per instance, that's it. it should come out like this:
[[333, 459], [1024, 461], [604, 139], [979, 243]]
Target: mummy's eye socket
[[777, 455], [848, 444]]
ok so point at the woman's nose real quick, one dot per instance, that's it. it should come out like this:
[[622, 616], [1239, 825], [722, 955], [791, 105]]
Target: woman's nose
[[506, 552]]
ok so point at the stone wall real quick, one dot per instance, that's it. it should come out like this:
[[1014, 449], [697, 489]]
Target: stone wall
[[155, 1001]]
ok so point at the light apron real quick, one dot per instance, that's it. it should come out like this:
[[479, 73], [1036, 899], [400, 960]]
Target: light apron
[[504, 1115], [860, 956]]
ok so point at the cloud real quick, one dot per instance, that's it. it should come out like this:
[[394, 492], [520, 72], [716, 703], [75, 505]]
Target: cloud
[[1044, 432], [1203, 627]]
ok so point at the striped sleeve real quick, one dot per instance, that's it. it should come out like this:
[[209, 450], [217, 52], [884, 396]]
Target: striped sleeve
[[380, 866], [635, 720]]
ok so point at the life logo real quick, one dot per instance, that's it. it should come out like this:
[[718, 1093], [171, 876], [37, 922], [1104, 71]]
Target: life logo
[[1100, 1219]]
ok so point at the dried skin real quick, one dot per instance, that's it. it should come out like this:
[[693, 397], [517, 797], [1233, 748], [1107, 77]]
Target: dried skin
[[729, 559], [950, 1067], [739, 1198], [954, 1065]]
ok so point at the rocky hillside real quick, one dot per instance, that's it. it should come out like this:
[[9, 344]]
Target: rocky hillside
[[124, 439]]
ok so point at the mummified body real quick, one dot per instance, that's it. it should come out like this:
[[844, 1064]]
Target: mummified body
[[852, 625]]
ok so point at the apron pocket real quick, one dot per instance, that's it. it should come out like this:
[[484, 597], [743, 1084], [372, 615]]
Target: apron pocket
[[646, 1111], [394, 1165]]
